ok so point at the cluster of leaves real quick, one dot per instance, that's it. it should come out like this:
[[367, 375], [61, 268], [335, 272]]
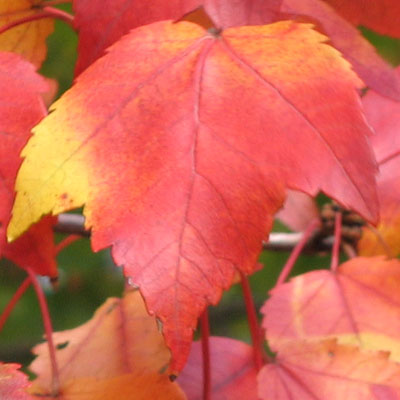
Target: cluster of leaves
[[181, 135]]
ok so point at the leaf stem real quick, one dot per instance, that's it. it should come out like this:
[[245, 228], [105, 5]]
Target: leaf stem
[[205, 347], [55, 377], [66, 242], [336, 243], [14, 300], [56, 2], [294, 255], [255, 330], [45, 12]]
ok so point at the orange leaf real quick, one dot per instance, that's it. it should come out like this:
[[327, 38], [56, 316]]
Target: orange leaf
[[102, 22], [13, 383], [28, 39], [233, 373], [375, 72], [328, 371], [191, 136], [120, 343], [360, 304], [146, 386], [21, 107]]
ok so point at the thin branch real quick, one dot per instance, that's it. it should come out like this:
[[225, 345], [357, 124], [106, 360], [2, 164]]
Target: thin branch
[[254, 326], [46, 12], [55, 376], [14, 300], [75, 224], [306, 236], [56, 2]]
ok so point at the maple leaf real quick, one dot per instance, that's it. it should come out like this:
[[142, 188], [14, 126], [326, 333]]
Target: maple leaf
[[13, 383], [381, 16], [375, 72], [21, 107], [233, 373], [328, 371], [29, 39], [192, 135], [131, 359], [360, 304]]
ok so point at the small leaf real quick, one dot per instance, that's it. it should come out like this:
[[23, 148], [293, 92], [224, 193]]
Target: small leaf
[[328, 371], [13, 383], [28, 39], [359, 305], [233, 373]]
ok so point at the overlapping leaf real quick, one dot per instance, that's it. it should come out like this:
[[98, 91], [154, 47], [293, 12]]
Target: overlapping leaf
[[102, 22], [29, 39], [181, 143], [384, 116], [360, 304], [13, 383], [328, 371], [21, 107], [381, 16], [233, 373], [375, 72], [118, 354]]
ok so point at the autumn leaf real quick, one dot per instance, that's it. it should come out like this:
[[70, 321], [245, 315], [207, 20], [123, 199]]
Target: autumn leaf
[[28, 39], [328, 371], [21, 90], [120, 344], [384, 116], [13, 383], [233, 373], [102, 22], [192, 134], [359, 305], [381, 16], [375, 72]]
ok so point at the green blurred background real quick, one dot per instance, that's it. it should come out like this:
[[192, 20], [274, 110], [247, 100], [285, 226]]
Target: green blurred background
[[87, 279]]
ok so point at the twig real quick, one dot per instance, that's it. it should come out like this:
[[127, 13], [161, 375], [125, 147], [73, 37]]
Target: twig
[[298, 248], [45, 12], [14, 300], [55, 377], [254, 326]]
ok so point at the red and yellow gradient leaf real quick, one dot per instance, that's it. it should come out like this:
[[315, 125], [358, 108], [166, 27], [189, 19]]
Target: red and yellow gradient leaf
[[328, 371], [375, 72], [181, 143], [120, 343], [233, 373], [358, 305], [102, 22], [21, 108], [381, 16], [384, 116], [28, 39], [13, 383]]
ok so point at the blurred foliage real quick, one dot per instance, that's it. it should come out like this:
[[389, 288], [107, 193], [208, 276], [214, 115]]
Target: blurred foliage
[[87, 279]]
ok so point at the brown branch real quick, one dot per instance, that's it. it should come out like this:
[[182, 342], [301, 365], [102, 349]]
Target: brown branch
[[75, 224]]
